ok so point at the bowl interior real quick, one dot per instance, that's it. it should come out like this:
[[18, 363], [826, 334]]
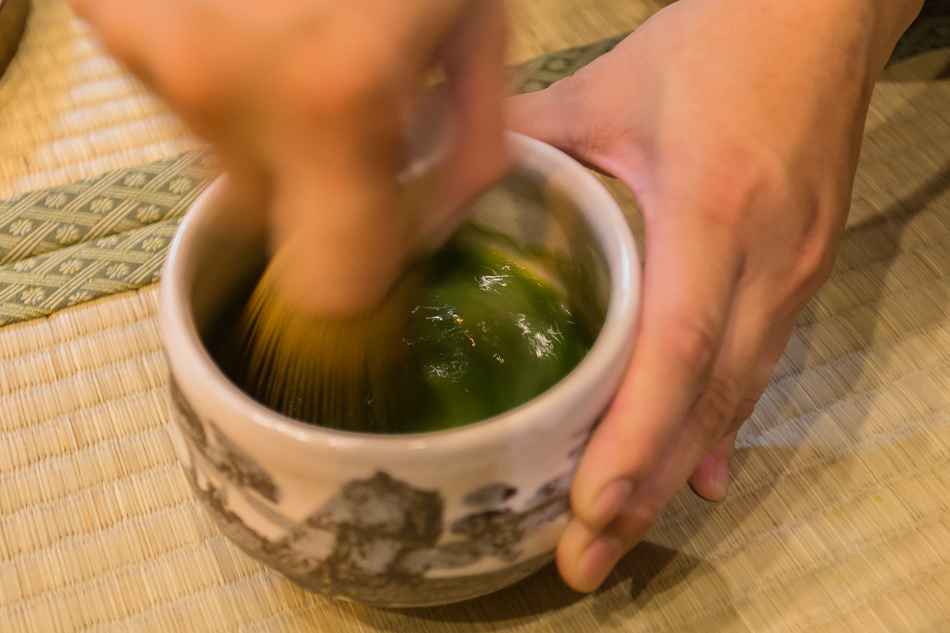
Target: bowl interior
[[538, 225]]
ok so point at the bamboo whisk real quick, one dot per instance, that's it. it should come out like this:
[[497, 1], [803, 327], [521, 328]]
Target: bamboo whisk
[[348, 372], [351, 373]]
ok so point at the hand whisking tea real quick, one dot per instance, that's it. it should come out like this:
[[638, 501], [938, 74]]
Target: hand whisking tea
[[467, 334], [447, 328]]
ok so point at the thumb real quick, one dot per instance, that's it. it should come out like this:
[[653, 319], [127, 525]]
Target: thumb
[[561, 115], [710, 480], [546, 115]]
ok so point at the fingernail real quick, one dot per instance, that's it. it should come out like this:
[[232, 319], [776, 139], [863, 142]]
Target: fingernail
[[720, 482], [611, 500], [598, 561]]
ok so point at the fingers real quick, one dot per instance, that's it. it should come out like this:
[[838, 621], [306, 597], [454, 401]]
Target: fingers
[[583, 554], [541, 115], [586, 555], [710, 480], [688, 296], [128, 28], [341, 263], [474, 90], [554, 115], [588, 115], [180, 50], [697, 446], [589, 555]]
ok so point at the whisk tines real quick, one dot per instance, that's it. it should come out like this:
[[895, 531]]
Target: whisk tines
[[348, 373]]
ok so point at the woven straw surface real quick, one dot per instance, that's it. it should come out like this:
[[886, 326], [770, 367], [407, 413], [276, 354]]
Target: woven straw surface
[[839, 514]]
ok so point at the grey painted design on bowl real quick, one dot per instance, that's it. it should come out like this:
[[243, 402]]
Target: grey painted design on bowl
[[188, 421], [490, 495], [376, 530], [239, 468], [232, 462], [378, 537]]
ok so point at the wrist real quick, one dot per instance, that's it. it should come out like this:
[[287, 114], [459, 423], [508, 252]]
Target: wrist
[[891, 18], [867, 31], [895, 16]]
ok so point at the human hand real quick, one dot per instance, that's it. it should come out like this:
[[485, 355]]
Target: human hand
[[306, 102], [738, 126]]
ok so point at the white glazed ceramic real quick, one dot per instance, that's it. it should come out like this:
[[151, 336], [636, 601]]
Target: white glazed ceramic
[[402, 520]]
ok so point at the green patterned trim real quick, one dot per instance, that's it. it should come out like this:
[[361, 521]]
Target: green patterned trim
[[95, 237], [539, 73], [114, 202], [37, 286], [108, 234]]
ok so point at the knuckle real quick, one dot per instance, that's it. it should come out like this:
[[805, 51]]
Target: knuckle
[[694, 344], [814, 261], [354, 86], [81, 7], [747, 178], [806, 268], [744, 411], [715, 409], [579, 129], [194, 92], [635, 520], [811, 241], [192, 73], [348, 76]]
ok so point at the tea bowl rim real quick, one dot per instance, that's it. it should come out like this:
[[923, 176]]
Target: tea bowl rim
[[186, 353]]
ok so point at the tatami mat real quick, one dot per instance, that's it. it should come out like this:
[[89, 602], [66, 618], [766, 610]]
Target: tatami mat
[[839, 514]]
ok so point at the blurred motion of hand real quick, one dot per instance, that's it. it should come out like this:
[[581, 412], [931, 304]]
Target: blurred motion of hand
[[306, 103], [738, 125]]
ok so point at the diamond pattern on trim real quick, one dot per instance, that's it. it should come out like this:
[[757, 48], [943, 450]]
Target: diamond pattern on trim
[[112, 203]]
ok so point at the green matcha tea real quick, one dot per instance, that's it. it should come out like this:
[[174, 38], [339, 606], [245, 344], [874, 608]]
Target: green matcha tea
[[482, 335]]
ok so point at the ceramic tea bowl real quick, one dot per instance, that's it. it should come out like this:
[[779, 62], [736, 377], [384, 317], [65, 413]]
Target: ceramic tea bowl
[[413, 519]]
